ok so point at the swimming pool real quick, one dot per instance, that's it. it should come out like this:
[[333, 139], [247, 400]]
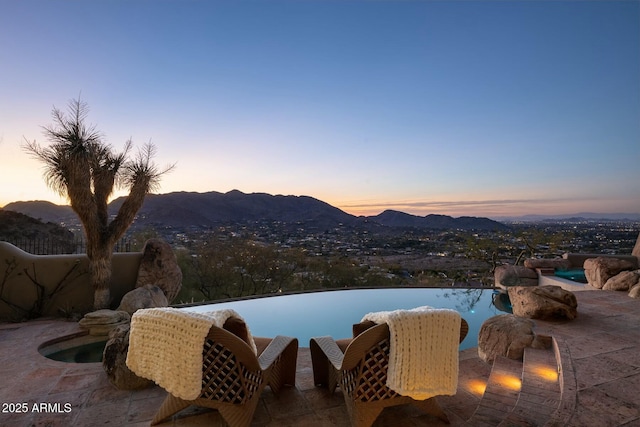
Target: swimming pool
[[333, 312]]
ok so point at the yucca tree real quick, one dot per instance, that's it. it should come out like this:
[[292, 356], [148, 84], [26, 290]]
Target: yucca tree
[[86, 170]]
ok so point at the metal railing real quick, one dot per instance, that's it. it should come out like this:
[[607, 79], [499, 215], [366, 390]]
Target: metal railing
[[45, 246]]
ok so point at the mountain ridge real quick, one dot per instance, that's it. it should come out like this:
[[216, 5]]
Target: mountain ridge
[[192, 209]]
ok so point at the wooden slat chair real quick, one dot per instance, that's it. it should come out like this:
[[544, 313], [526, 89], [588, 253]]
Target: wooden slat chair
[[359, 366], [233, 377]]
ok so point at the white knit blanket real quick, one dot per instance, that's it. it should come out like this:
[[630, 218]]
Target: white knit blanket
[[423, 356], [165, 345]]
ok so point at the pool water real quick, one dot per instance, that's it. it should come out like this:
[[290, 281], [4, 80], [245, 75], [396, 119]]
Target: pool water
[[86, 353], [333, 312], [75, 348], [576, 275]]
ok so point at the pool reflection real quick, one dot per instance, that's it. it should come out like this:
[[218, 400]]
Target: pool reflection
[[333, 312]]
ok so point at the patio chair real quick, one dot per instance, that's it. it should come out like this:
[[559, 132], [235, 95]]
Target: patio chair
[[359, 366], [234, 373]]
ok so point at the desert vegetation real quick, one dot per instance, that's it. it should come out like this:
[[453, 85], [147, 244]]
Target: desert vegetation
[[81, 166]]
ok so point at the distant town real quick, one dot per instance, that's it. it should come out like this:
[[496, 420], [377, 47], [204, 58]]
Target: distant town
[[348, 255], [327, 248]]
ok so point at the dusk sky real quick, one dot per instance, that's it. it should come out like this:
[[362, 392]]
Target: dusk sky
[[484, 108]]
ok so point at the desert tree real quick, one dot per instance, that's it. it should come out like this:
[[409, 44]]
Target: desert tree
[[79, 165]]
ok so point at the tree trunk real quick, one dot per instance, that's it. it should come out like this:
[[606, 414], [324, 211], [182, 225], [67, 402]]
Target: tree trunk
[[100, 270]]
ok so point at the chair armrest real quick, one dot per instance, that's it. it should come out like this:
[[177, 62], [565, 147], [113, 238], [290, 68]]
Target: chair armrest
[[464, 329], [330, 349], [275, 348], [326, 359]]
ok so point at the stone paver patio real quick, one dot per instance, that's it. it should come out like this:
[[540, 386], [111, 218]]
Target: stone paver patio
[[600, 353]]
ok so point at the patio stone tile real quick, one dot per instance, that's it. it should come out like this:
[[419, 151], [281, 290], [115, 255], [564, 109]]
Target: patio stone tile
[[103, 415], [75, 382], [320, 399], [9, 382], [597, 343], [138, 424], [77, 399], [290, 402], [336, 416], [26, 389], [397, 417], [461, 398], [261, 416], [624, 389], [108, 394], [597, 408], [15, 418], [460, 412], [84, 369], [45, 372], [146, 393], [304, 420], [196, 417], [141, 410], [53, 420], [599, 370]]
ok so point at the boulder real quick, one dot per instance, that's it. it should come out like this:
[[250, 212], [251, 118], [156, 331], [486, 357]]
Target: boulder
[[148, 296], [599, 270], [634, 292], [159, 267], [507, 335], [636, 249], [556, 263], [114, 361], [543, 302], [515, 275], [622, 281], [101, 322]]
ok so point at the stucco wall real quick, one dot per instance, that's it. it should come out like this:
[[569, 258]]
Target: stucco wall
[[24, 276]]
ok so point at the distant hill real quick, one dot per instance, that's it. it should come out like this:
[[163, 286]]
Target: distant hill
[[184, 210], [576, 217], [42, 210], [391, 218], [29, 233]]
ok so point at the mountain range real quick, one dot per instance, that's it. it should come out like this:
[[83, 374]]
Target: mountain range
[[183, 210]]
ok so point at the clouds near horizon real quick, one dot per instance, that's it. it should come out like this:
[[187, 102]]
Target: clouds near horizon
[[456, 107]]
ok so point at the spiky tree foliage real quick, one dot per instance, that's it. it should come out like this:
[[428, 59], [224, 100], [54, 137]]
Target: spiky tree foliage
[[86, 170]]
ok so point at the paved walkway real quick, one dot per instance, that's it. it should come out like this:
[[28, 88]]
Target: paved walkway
[[602, 348]]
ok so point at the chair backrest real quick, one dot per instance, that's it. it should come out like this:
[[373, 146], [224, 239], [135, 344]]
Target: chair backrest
[[231, 371], [366, 361]]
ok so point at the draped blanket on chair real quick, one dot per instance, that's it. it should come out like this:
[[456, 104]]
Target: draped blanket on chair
[[165, 345], [423, 356]]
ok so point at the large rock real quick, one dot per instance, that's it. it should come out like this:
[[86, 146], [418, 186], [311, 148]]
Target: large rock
[[515, 275], [559, 263], [634, 292], [159, 267], [114, 360], [599, 270], [636, 249], [622, 281], [543, 302], [101, 322], [507, 335], [148, 296]]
